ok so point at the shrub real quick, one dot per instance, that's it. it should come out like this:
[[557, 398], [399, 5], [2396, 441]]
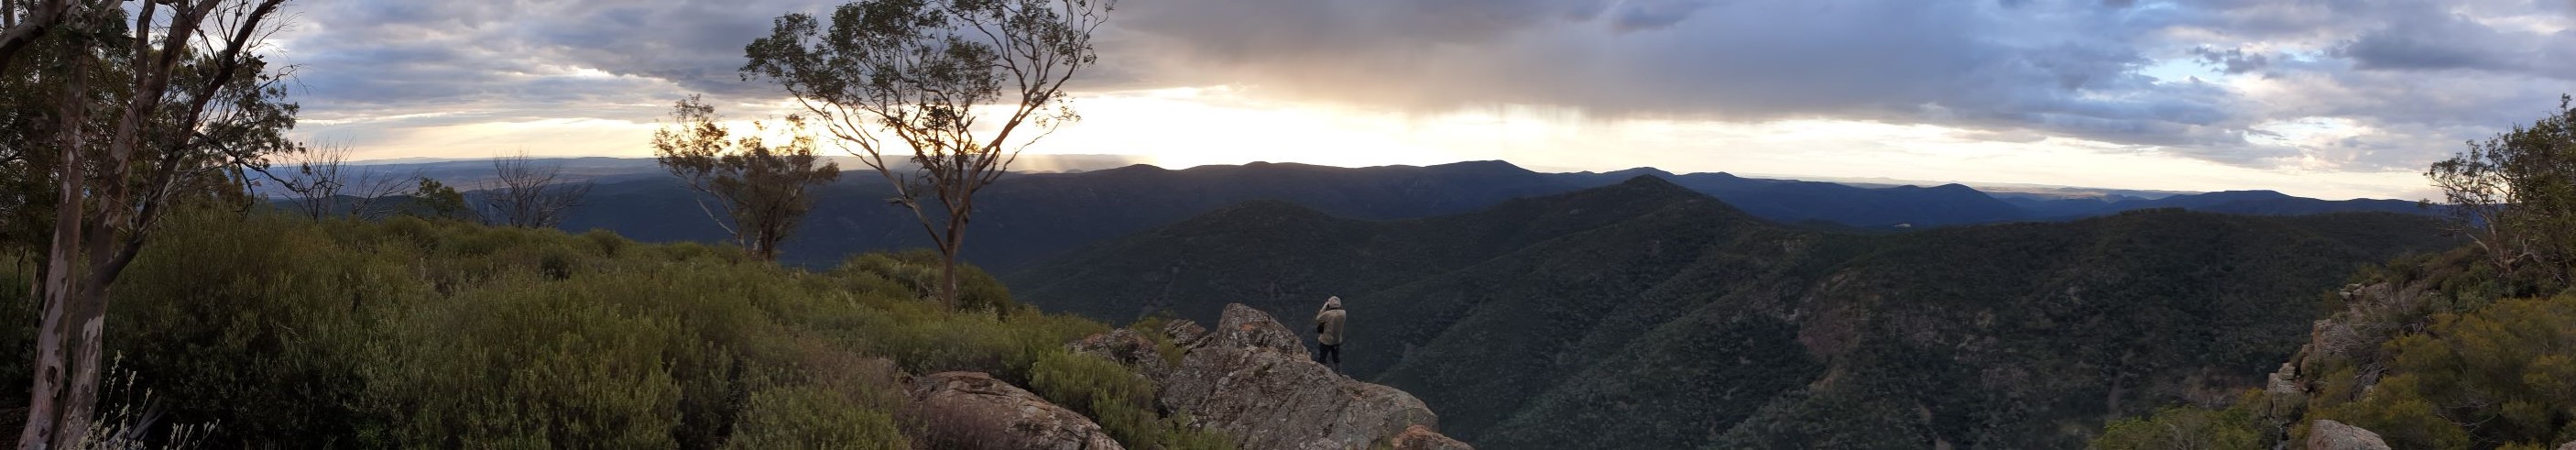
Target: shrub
[[2177, 427], [419, 332], [1119, 400], [608, 243], [523, 364], [810, 417], [1179, 435], [254, 322], [918, 270], [2505, 373]]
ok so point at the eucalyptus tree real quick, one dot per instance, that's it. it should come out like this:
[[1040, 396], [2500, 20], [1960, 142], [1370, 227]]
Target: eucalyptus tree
[[137, 109], [936, 96], [2514, 195], [763, 189]]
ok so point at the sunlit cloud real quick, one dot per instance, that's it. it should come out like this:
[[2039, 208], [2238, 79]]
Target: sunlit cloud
[[2347, 99]]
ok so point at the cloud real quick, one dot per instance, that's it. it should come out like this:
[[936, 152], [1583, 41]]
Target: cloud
[[1637, 15], [2451, 41], [2071, 68], [360, 57], [2065, 67], [2408, 79], [2233, 61]]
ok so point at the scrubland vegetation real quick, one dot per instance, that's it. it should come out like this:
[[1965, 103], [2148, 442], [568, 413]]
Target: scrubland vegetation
[[276, 330]]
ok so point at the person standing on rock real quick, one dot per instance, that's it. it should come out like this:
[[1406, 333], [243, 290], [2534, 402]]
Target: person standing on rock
[[1328, 333]]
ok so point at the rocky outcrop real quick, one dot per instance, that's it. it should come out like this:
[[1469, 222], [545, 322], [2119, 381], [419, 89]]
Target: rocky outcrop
[[2372, 314], [973, 410], [1422, 438], [1126, 347], [2332, 435], [1252, 378]]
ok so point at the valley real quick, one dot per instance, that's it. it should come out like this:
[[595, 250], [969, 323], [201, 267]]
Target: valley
[[1646, 315]]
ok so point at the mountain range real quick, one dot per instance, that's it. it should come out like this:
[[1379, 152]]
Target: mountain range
[[1647, 314], [1645, 309], [1030, 216]]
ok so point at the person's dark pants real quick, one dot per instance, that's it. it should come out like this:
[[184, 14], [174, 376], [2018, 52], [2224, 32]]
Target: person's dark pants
[[1330, 355]]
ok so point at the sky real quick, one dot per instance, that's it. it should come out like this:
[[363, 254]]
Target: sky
[[2321, 98]]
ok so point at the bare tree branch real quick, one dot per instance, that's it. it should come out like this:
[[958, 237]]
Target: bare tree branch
[[527, 193]]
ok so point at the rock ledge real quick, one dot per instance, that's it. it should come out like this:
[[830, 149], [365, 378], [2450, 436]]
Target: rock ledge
[[1252, 378]]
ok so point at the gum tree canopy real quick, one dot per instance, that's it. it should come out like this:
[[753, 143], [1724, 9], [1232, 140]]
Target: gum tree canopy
[[953, 90], [115, 114]]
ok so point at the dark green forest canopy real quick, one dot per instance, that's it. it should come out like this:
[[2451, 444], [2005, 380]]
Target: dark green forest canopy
[[1645, 315]]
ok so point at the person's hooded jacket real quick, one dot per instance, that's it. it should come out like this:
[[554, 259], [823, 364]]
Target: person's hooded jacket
[[1329, 322]]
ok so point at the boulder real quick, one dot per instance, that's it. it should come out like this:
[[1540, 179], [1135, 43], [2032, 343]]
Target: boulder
[[2332, 435], [1185, 333], [1252, 378], [1247, 328], [972, 410], [2570, 445], [1419, 437], [2284, 381], [1125, 347]]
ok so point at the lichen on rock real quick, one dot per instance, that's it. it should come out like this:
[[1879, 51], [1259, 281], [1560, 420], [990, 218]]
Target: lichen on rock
[[1252, 378], [973, 410]]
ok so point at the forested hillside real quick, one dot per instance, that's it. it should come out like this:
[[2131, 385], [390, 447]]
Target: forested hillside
[[1027, 218], [1644, 315], [2469, 348]]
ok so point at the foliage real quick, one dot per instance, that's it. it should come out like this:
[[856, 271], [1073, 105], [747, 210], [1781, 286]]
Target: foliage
[[919, 270], [2182, 428], [889, 77], [1119, 400], [440, 201], [814, 418], [1644, 315], [2503, 374], [132, 127], [2514, 194], [414, 332], [762, 189]]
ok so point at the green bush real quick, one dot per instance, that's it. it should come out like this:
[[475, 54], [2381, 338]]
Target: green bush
[[525, 363], [254, 322], [1179, 435], [608, 242], [1118, 399], [2505, 373], [415, 333], [807, 417], [919, 271], [2177, 427]]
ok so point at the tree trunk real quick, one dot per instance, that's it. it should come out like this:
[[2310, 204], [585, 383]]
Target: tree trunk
[[61, 287], [950, 250], [948, 283], [43, 399], [80, 402]]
